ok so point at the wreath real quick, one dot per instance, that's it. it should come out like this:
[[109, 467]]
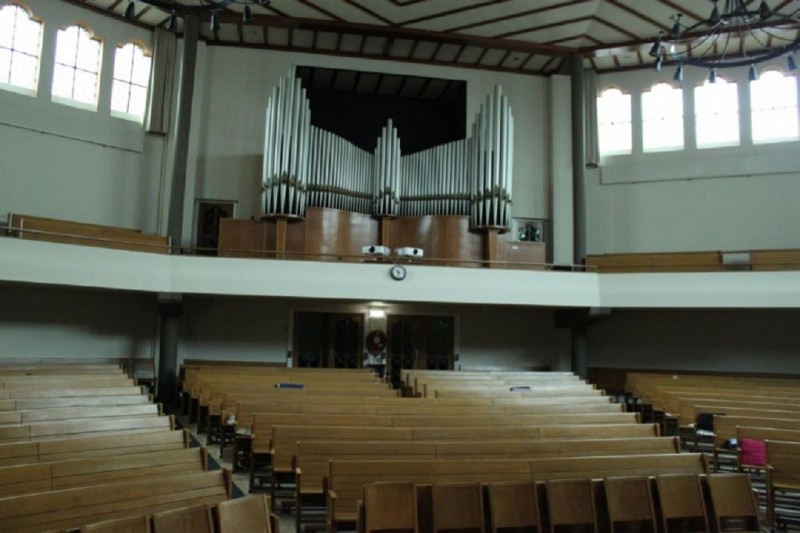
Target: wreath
[[376, 342]]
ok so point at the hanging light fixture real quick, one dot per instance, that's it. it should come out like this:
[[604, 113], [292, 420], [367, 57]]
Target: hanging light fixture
[[733, 35], [196, 7]]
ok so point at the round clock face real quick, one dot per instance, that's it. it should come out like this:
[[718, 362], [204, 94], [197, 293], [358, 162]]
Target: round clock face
[[398, 272]]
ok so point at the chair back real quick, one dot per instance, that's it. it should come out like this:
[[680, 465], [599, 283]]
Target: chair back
[[734, 502], [570, 502], [629, 500], [195, 519], [513, 505], [390, 506], [457, 506], [681, 499], [244, 515]]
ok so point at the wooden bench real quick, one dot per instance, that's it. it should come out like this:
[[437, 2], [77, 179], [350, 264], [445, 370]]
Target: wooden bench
[[37, 382], [644, 385], [346, 479], [656, 262], [71, 473], [86, 412], [85, 427], [727, 427], [70, 509], [69, 232], [81, 401], [762, 434], [312, 457], [21, 453], [59, 393], [783, 473], [279, 442]]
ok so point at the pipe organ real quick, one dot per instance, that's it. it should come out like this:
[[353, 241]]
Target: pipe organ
[[306, 166]]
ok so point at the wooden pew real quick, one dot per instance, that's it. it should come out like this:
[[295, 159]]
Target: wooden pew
[[72, 473], [81, 401], [763, 435], [644, 384], [69, 232], [512, 420], [37, 382], [688, 407], [83, 412], [84, 427], [61, 393], [783, 473], [656, 262], [21, 453], [727, 426], [281, 445], [312, 457], [69, 509], [346, 479]]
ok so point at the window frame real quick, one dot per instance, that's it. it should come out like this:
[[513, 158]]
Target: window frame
[[663, 117], [146, 52], [720, 81], [73, 102], [19, 89], [630, 123], [796, 107]]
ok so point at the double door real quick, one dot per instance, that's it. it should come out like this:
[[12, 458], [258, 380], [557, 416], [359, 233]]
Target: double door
[[419, 342], [328, 340]]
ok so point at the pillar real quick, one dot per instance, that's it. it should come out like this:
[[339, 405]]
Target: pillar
[[170, 309]]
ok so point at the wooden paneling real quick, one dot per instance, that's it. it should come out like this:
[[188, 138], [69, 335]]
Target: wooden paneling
[[335, 235], [775, 259], [657, 262], [322, 234], [357, 230], [69, 232], [243, 238], [523, 252]]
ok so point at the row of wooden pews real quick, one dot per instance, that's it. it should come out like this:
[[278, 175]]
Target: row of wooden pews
[[83, 444], [671, 502], [746, 424], [314, 452]]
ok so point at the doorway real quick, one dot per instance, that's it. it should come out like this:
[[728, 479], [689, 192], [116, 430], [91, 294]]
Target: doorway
[[419, 342], [328, 340]]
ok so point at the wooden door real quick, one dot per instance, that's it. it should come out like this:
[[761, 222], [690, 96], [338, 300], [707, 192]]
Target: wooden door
[[419, 342], [328, 340]]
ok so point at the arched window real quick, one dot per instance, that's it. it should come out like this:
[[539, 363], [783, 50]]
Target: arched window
[[662, 118], [77, 67], [773, 107], [614, 122], [20, 48], [131, 79], [716, 113]]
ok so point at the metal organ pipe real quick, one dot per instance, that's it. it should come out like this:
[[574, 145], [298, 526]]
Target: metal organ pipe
[[304, 165]]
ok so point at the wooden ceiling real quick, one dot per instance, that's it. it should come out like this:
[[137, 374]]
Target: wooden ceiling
[[522, 36]]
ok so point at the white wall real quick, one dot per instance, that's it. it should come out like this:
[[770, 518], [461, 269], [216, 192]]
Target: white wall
[[258, 329], [736, 198], [760, 341], [48, 321], [63, 162]]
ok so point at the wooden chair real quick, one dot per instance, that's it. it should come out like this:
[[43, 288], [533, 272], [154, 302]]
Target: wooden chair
[[195, 519], [513, 505], [244, 515], [683, 506], [570, 502], [457, 506], [133, 524], [734, 503], [629, 501], [390, 506]]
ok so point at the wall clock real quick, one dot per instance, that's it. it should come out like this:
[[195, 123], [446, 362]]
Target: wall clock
[[398, 272]]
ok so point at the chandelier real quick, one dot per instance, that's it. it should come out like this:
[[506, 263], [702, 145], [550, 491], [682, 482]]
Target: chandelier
[[733, 35], [179, 9]]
